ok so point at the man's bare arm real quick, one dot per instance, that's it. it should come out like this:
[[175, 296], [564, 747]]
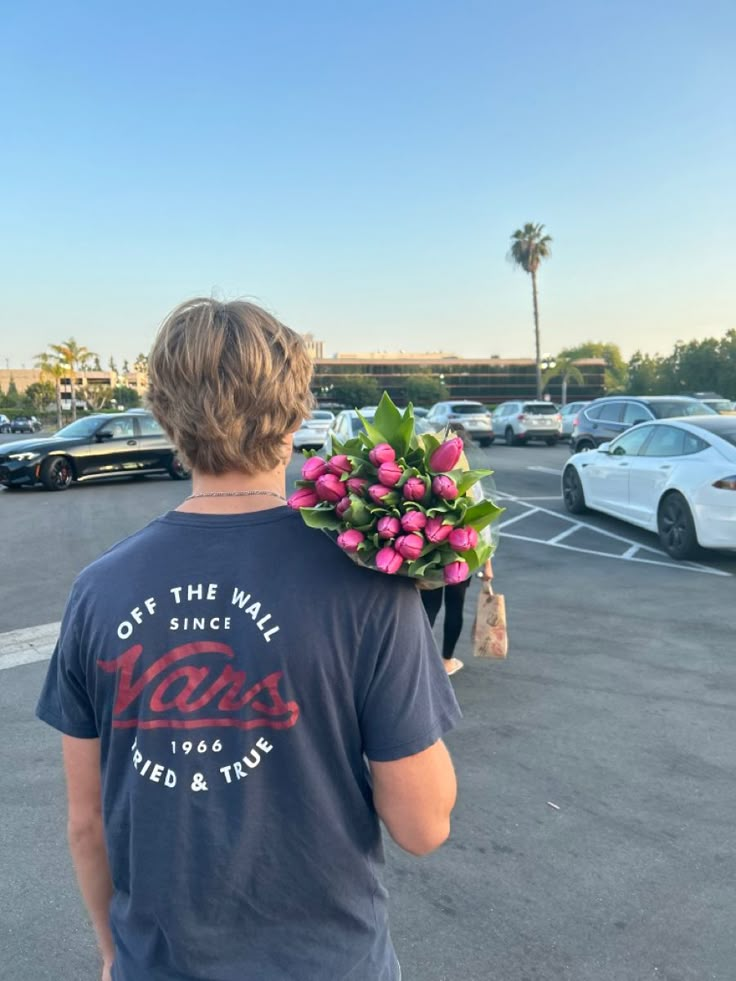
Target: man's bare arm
[[86, 838], [414, 798]]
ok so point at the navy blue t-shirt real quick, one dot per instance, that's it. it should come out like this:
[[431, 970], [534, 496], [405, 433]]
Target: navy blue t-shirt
[[238, 670]]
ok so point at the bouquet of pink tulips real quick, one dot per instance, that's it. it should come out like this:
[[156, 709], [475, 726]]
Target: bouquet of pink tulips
[[398, 502]]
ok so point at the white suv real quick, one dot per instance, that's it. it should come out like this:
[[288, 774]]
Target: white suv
[[519, 422], [474, 418]]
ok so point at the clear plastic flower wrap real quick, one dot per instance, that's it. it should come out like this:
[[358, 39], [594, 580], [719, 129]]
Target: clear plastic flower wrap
[[400, 503]]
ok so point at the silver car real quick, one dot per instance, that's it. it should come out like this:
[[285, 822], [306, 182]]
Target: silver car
[[518, 422], [313, 431], [472, 416], [568, 413]]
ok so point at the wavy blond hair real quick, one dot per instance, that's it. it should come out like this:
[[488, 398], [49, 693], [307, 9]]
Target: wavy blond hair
[[228, 383]]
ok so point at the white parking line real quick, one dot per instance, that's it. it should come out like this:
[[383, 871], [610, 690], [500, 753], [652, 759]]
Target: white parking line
[[27, 645], [557, 473], [519, 517], [630, 555], [563, 534]]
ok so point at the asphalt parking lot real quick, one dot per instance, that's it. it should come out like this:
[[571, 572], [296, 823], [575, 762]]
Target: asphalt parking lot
[[616, 706]]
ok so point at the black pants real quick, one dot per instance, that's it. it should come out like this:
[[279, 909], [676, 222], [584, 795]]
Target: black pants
[[454, 597]]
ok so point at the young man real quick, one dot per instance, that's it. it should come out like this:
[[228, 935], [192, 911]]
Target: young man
[[221, 679]]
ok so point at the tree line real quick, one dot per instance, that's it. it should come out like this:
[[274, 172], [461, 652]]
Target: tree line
[[71, 361]]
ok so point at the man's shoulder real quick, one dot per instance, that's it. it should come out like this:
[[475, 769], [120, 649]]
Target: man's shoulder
[[140, 544]]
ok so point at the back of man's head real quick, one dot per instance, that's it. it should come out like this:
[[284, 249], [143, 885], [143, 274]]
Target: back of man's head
[[228, 383]]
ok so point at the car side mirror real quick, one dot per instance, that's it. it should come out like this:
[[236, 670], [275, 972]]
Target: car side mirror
[[105, 434]]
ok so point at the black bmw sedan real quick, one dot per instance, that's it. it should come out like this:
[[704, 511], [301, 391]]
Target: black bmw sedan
[[91, 448]]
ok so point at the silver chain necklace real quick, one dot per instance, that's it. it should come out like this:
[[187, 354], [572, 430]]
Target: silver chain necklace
[[247, 493]]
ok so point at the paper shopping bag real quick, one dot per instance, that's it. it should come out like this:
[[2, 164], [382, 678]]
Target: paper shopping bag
[[490, 638]]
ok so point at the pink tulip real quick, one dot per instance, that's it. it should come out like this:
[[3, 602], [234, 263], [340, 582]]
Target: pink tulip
[[314, 467], [388, 527], [446, 455], [389, 474], [388, 561], [305, 497], [350, 540], [381, 495], [436, 531], [330, 488], [339, 465], [455, 572], [409, 546], [383, 453], [413, 521], [342, 506], [415, 489], [356, 485], [461, 539], [445, 487]]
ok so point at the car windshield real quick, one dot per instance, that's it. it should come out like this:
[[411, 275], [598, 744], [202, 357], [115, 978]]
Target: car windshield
[[545, 409], [468, 409], [673, 408], [321, 416], [82, 427]]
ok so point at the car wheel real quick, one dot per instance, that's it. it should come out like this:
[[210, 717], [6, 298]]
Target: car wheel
[[509, 436], [584, 446], [486, 441], [676, 527], [572, 491], [177, 470], [56, 473], [551, 442]]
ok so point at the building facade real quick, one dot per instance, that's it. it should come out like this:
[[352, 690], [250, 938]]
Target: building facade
[[488, 380]]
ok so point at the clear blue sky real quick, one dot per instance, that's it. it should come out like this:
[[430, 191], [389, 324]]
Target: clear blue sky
[[358, 169]]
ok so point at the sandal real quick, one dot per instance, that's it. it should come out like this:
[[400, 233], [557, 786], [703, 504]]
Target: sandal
[[453, 666]]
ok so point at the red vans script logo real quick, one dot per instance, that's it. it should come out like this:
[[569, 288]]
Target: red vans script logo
[[162, 694]]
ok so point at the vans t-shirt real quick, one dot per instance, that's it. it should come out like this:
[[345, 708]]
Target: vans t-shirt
[[237, 670]]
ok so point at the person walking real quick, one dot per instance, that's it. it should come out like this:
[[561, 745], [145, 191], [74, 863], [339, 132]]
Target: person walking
[[454, 595], [220, 680]]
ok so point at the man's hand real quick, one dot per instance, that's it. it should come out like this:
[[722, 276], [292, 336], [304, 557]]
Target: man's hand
[[107, 971]]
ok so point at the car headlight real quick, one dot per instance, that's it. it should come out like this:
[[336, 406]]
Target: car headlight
[[24, 456]]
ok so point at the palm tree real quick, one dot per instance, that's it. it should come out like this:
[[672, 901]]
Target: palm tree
[[528, 247], [54, 370], [77, 358], [565, 369]]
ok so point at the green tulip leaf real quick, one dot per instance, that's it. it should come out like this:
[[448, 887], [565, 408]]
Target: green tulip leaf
[[319, 517], [481, 515]]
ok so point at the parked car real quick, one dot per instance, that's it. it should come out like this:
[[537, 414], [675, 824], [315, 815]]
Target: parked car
[[568, 413], [473, 416], [676, 477], [518, 422], [90, 448], [25, 424], [606, 418], [714, 401], [313, 431], [4, 423], [346, 426]]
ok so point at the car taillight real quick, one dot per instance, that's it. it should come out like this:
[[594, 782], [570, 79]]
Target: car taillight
[[521, 418], [558, 417], [576, 420], [726, 483]]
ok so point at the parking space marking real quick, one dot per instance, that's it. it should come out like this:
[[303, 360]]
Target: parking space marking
[[630, 555], [519, 517], [27, 645], [557, 473], [563, 534]]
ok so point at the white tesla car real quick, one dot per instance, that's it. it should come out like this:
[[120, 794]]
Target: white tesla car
[[675, 477]]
